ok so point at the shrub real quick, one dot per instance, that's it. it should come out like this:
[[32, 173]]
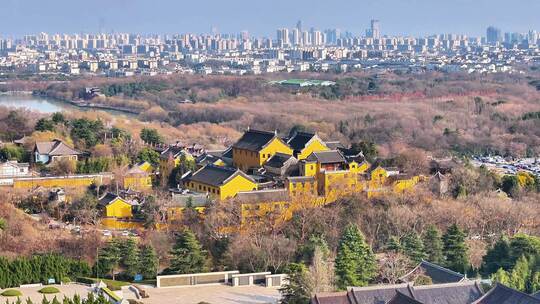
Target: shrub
[[11, 293], [49, 290]]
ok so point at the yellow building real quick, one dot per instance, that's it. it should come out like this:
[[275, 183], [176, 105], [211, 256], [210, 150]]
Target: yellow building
[[303, 144], [116, 207], [219, 182], [176, 154], [255, 147], [139, 177]]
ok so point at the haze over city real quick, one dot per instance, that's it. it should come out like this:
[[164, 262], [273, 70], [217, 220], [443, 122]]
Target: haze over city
[[409, 17]]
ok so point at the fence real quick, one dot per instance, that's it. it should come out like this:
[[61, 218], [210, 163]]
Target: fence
[[247, 279], [207, 278], [233, 278]]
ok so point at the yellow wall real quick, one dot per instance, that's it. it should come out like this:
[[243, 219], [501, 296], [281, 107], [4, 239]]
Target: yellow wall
[[230, 189], [176, 213], [244, 159], [302, 187], [309, 168], [235, 185], [113, 223], [138, 182], [63, 182], [119, 209], [252, 213], [314, 146]]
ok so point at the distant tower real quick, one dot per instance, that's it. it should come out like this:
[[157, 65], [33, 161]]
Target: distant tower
[[375, 29], [493, 35], [299, 25]]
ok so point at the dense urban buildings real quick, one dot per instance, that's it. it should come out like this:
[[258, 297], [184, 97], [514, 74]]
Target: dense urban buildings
[[292, 49]]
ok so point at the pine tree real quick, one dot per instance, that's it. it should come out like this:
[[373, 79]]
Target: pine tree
[[55, 301], [28, 301], [394, 245], [130, 258], [413, 247], [498, 256], [297, 290], [355, 262], [109, 258], [187, 255], [45, 301], [520, 274], [433, 245], [455, 249], [149, 262]]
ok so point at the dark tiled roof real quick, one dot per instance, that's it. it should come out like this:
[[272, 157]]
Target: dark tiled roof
[[438, 274], [327, 157], [172, 151], [334, 145], [278, 160], [331, 298], [501, 294], [263, 196], [55, 148], [401, 298], [451, 293], [300, 178], [254, 140], [299, 140], [215, 175], [109, 198], [227, 153], [378, 294]]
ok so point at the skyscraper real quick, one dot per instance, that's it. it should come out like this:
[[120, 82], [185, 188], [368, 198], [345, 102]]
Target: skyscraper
[[299, 25], [283, 36], [493, 35], [375, 29]]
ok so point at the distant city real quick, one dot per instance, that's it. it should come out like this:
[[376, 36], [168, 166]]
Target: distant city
[[296, 49]]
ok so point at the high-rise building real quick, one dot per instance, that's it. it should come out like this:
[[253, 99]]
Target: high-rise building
[[493, 35], [299, 25], [375, 29], [296, 37], [283, 36]]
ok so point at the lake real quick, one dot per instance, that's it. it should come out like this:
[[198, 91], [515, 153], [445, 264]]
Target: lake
[[47, 105], [34, 103]]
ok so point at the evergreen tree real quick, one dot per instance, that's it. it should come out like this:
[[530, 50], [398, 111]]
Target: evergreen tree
[[497, 257], [108, 259], [520, 275], [28, 301], [355, 262], [394, 245], [297, 290], [130, 258], [187, 255], [455, 249], [433, 245], [45, 301], [55, 301], [148, 261], [501, 276], [413, 247]]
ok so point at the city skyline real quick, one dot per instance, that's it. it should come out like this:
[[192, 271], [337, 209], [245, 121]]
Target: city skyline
[[408, 18]]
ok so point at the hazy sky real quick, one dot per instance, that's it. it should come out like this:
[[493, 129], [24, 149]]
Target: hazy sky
[[410, 17]]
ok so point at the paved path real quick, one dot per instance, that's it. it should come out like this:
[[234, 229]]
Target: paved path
[[215, 294], [32, 292]]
